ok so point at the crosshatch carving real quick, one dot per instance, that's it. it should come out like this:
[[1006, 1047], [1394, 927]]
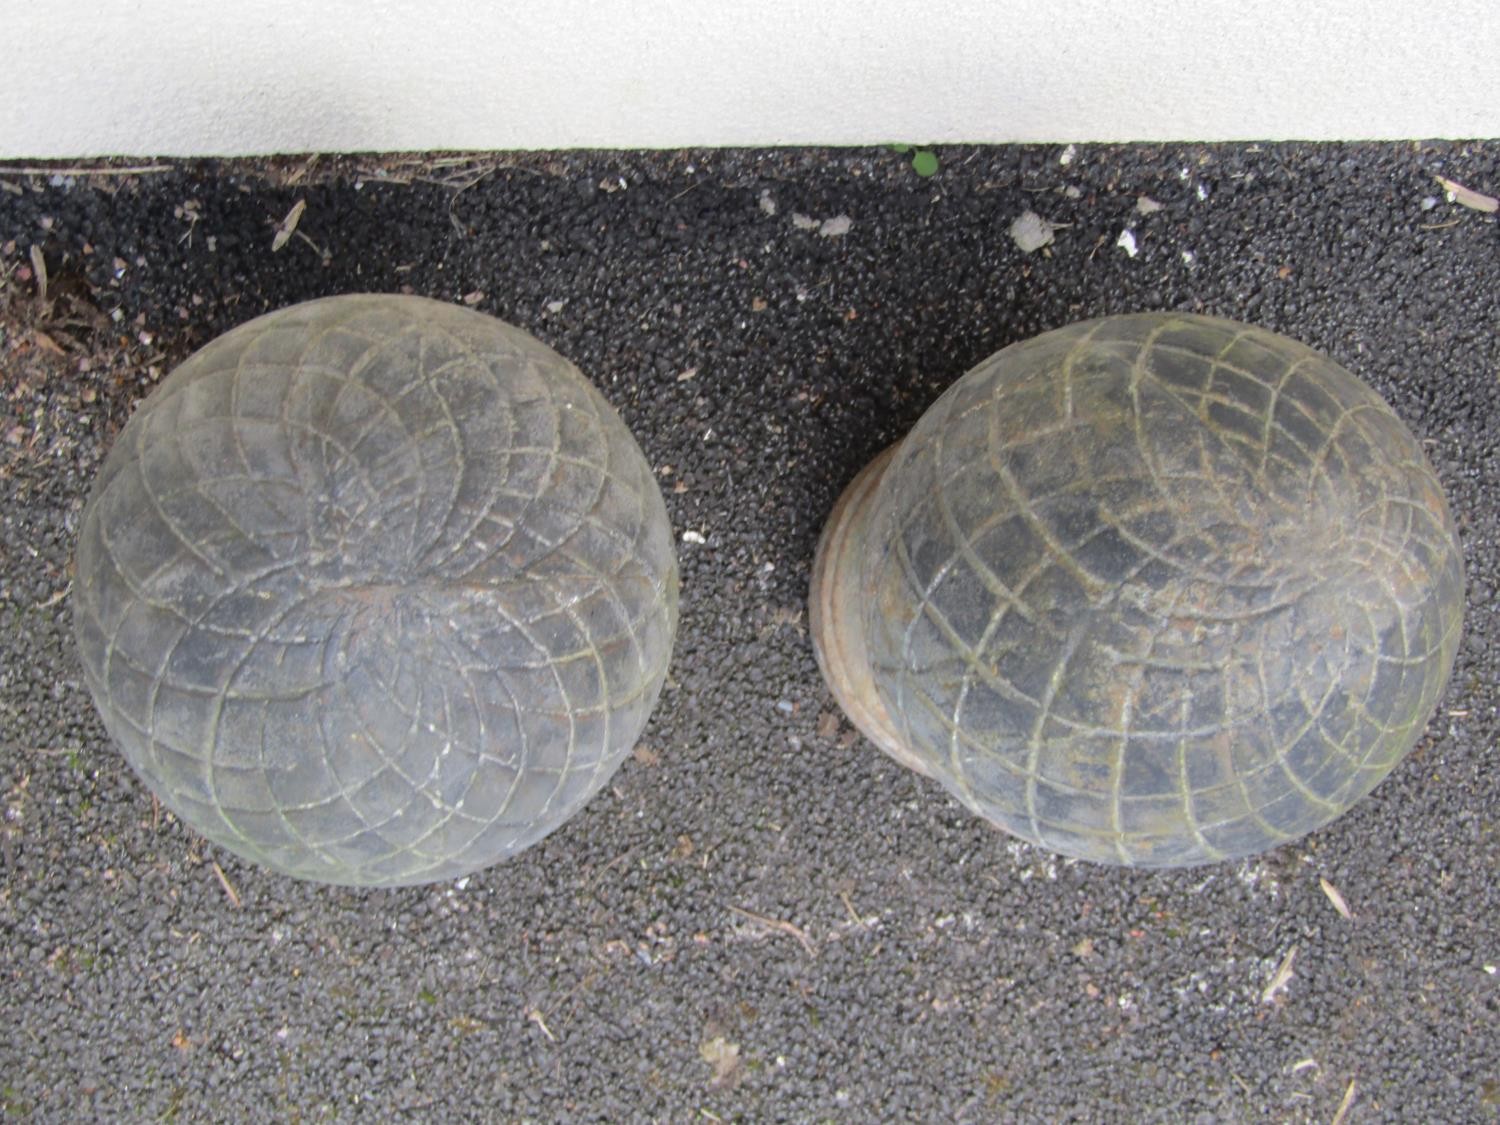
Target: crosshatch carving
[[375, 590], [1156, 589]]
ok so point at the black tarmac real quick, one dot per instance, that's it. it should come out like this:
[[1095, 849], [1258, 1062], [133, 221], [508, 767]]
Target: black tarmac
[[763, 919]]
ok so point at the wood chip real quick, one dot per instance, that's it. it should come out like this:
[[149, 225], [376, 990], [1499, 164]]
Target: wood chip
[[1282, 977], [1343, 1110], [46, 342], [723, 1056], [1031, 232], [1334, 897], [288, 225], [1468, 197], [39, 269], [646, 756]]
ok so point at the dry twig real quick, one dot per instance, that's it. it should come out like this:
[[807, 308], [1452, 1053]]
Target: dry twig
[[1334, 897], [535, 1016], [55, 598], [1343, 1110], [227, 885], [780, 926], [854, 917], [1282, 977]]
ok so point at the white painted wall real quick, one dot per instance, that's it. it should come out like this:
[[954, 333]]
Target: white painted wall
[[199, 77]]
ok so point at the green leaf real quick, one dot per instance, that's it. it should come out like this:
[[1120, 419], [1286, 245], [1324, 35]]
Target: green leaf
[[901, 148], [924, 163]]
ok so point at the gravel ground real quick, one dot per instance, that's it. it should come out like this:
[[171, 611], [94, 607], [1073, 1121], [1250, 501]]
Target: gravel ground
[[763, 919]]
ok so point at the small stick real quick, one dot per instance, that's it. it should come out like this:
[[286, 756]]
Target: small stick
[[55, 598], [849, 906], [1343, 1110], [535, 1016], [780, 926], [227, 885]]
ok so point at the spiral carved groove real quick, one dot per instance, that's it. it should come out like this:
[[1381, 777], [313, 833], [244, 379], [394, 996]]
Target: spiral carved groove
[[1160, 590], [375, 590]]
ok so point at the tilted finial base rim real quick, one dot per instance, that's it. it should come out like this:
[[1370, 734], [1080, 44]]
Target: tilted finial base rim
[[836, 601]]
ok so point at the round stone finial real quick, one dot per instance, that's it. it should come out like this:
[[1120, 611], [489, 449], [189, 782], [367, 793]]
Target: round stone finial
[[1154, 590], [375, 590]]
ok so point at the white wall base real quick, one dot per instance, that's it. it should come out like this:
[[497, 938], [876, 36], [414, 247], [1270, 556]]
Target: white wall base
[[181, 77]]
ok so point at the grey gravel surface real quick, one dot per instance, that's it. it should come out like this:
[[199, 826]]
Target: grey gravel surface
[[763, 919]]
